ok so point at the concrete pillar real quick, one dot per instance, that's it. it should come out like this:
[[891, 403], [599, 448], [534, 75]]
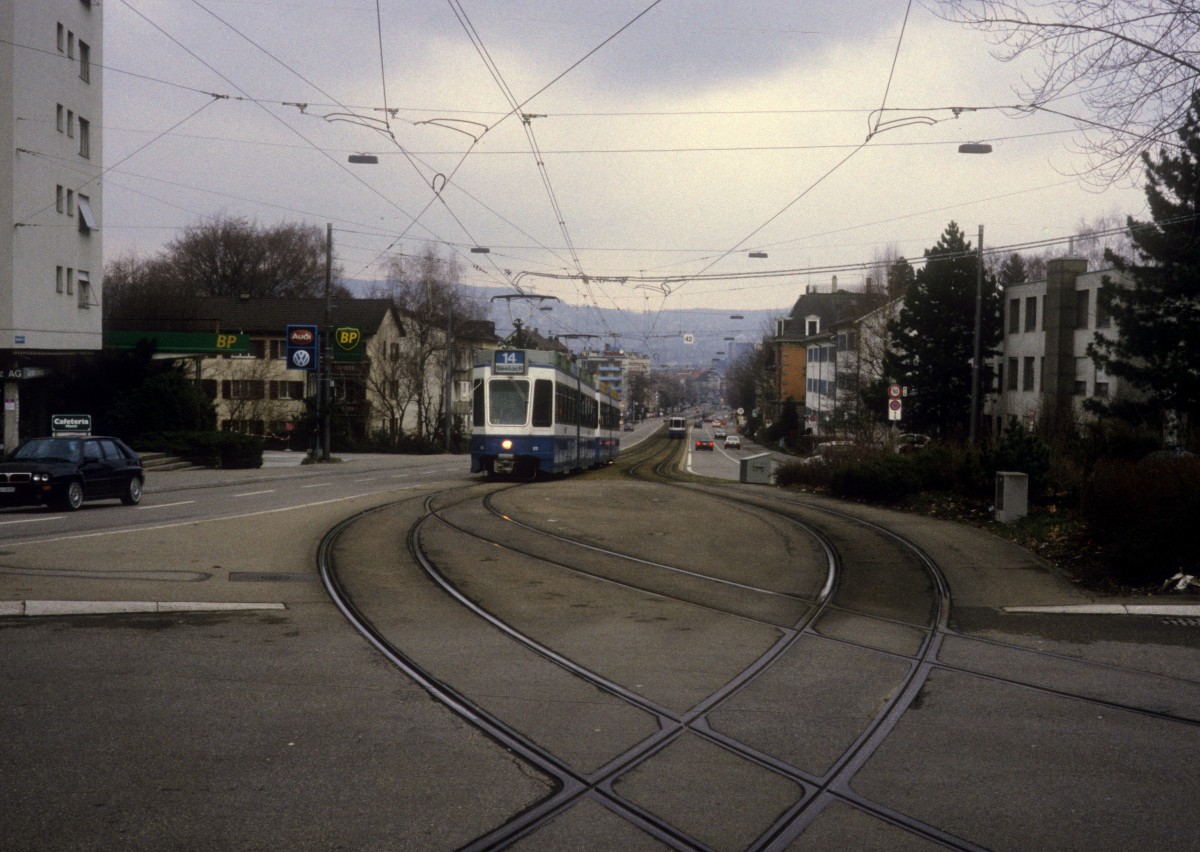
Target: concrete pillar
[[1058, 371], [12, 415]]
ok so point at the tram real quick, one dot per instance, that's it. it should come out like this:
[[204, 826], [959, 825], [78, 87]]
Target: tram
[[535, 412], [677, 427]]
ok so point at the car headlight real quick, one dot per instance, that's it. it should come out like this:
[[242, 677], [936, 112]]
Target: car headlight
[[41, 477], [506, 444]]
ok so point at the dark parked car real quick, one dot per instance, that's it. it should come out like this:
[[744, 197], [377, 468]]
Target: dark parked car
[[63, 472], [702, 444]]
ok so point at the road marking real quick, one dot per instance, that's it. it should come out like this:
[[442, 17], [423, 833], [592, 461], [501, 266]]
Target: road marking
[[191, 523], [33, 520], [316, 485], [368, 479], [255, 493], [52, 608], [167, 505]]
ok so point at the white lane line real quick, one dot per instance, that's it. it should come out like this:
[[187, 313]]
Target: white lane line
[[255, 493], [167, 505], [50, 608], [33, 520], [191, 523]]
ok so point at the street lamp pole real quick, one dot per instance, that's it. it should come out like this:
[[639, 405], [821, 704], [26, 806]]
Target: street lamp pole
[[978, 341], [449, 379], [326, 353]]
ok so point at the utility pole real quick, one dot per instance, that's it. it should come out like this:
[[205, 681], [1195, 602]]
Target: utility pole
[[325, 391], [449, 380], [978, 343]]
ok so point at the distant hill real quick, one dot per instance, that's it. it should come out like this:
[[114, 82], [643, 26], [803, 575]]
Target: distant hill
[[660, 335]]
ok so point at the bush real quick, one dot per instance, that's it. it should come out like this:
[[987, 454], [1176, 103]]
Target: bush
[[887, 479], [1143, 515], [1021, 450], [210, 449]]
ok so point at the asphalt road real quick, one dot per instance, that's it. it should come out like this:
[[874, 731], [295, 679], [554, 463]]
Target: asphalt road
[[280, 727]]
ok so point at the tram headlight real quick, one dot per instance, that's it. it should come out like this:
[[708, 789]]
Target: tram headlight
[[506, 444]]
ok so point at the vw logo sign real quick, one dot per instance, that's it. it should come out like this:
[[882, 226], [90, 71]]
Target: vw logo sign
[[301, 358]]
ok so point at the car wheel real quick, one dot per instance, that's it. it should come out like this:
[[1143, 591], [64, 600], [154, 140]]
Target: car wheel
[[72, 497], [133, 494]]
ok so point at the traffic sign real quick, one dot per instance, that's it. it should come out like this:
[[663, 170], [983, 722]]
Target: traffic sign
[[893, 391], [895, 407]]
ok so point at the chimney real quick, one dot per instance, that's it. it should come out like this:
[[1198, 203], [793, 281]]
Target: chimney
[[833, 288]]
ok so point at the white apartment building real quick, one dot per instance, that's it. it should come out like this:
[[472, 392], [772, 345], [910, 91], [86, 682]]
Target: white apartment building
[[50, 195], [1044, 372]]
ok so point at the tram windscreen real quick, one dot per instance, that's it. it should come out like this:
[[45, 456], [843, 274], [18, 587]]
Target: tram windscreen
[[508, 403]]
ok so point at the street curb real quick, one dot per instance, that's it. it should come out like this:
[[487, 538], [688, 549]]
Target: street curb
[[1111, 609]]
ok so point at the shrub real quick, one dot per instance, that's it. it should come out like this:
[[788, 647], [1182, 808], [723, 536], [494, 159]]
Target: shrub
[[887, 479], [210, 449], [1143, 515], [1021, 450]]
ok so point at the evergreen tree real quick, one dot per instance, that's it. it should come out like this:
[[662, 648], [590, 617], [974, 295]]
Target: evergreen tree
[[1013, 271], [1156, 347], [933, 337]]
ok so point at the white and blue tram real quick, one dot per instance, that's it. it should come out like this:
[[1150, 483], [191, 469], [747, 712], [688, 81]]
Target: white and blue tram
[[535, 412]]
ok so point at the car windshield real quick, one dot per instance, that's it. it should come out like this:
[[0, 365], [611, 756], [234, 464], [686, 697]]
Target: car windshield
[[48, 449]]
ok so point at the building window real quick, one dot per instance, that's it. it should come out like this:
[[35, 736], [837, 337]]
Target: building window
[[812, 327], [1014, 316], [61, 118], [62, 38], [1101, 389], [287, 390], [87, 296], [1082, 301], [243, 389], [1027, 377], [1080, 387], [1012, 374], [1031, 313], [60, 198], [87, 220], [59, 286], [70, 278], [85, 141], [71, 123], [85, 62], [70, 211]]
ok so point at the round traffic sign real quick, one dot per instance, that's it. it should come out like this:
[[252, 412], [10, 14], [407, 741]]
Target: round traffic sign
[[894, 405], [894, 391]]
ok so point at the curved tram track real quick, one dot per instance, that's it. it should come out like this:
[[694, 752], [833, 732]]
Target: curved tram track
[[707, 702]]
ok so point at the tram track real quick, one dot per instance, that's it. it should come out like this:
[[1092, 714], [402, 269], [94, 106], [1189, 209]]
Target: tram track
[[899, 641], [813, 789]]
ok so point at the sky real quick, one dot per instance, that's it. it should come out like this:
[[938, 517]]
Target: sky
[[662, 142]]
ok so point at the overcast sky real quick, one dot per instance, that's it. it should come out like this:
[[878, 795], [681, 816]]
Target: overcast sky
[[701, 131]]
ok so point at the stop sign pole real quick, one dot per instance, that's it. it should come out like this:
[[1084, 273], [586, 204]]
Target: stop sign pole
[[894, 405]]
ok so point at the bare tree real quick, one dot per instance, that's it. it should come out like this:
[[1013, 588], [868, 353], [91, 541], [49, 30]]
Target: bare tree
[[1132, 65], [433, 304], [147, 292], [231, 256]]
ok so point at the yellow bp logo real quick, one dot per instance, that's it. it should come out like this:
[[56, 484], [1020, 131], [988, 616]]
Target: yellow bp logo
[[347, 338]]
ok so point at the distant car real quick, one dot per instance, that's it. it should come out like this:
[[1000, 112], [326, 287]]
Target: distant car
[[704, 444], [733, 442], [911, 442], [698, 424], [718, 433], [831, 450], [63, 472], [628, 426]]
